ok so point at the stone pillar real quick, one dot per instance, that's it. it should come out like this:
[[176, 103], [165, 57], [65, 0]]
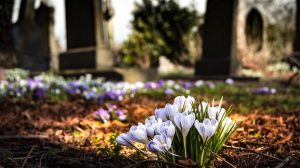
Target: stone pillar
[[297, 33], [218, 57], [103, 54], [86, 48]]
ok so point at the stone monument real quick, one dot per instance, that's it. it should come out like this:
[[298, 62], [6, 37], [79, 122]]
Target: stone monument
[[86, 44], [218, 48]]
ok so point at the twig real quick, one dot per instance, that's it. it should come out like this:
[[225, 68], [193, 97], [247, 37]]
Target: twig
[[22, 158], [40, 165], [284, 162], [253, 151], [12, 160], [155, 161], [24, 137], [231, 165], [28, 155], [257, 162]]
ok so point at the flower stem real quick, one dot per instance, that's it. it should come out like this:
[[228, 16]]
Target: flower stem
[[173, 157], [184, 146]]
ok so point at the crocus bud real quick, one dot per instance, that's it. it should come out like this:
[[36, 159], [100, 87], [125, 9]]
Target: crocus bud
[[216, 113], [171, 111], [161, 113]]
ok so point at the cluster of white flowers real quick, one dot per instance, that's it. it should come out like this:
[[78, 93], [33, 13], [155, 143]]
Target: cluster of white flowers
[[177, 119]]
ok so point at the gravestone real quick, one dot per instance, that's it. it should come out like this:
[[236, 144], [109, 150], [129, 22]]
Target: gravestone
[[86, 48], [7, 57], [31, 36], [218, 38]]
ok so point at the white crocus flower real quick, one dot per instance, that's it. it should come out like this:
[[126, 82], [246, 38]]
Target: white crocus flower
[[184, 122], [179, 101], [160, 144], [216, 113], [229, 81], [184, 104], [171, 111], [151, 124], [166, 128], [199, 83], [124, 139], [203, 106], [227, 124], [207, 128], [139, 133], [161, 113], [189, 104]]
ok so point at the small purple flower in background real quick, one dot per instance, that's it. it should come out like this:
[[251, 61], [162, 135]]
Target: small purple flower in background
[[265, 90], [33, 84], [169, 91], [151, 85], [90, 95], [112, 107], [39, 93], [121, 114], [103, 115], [187, 85], [160, 83], [76, 87], [211, 85]]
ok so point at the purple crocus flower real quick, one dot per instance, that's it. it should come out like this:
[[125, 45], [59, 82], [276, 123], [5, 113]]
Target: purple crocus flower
[[150, 85], [265, 90], [160, 83], [103, 115], [90, 95], [121, 114], [112, 107], [187, 84], [111, 95], [39, 93], [31, 84], [169, 91]]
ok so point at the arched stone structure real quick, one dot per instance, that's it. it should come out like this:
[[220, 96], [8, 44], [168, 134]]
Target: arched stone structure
[[254, 30], [251, 37], [234, 37]]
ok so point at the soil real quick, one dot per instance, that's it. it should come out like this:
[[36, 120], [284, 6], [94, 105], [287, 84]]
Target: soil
[[67, 134]]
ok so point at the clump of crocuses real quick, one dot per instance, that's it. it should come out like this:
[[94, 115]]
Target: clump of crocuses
[[183, 130], [111, 112]]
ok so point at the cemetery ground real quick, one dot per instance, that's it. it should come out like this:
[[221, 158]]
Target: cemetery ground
[[45, 133]]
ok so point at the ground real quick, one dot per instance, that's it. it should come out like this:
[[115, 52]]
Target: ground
[[67, 134]]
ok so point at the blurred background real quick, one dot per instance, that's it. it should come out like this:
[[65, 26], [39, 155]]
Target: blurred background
[[149, 39]]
